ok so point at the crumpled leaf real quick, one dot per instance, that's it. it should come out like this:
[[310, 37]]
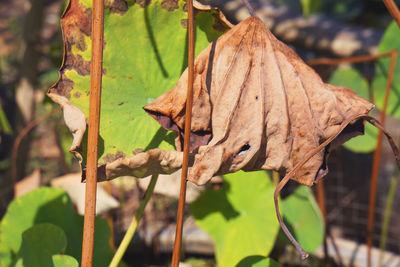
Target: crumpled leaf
[[144, 47], [353, 79], [142, 165], [257, 105]]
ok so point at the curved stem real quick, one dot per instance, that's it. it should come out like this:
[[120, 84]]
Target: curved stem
[[134, 223], [314, 151]]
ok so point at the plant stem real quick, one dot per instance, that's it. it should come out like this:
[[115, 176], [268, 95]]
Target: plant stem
[[186, 142], [321, 204], [386, 216], [376, 160], [393, 10], [96, 69], [377, 154], [135, 221]]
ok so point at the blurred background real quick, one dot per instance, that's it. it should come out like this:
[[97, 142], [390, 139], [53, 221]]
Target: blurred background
[[34, 140]]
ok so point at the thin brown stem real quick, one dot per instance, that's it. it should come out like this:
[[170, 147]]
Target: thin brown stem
[[376, 159], [188, 118], [110, 218], [93, 132], [377, 154], [18, 140], [321, 204], [314, 151], [359, 59], [393, 10]]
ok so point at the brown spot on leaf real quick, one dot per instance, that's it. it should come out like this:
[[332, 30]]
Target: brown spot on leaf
[[62, 87], [120, 104], [170, 5], [143, 3], [77, 94], [77, 17], [113, 157], [117, 6], [184, 23], [77, 63]]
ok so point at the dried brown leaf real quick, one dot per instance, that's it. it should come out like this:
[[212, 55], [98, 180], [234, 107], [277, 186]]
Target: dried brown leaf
[[257, 105], [142, 165]]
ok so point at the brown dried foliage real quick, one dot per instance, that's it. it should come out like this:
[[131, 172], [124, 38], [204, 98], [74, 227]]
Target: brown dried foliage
[[258, 106]]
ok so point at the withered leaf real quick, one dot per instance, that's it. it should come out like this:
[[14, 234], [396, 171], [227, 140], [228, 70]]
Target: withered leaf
[[257, 105]]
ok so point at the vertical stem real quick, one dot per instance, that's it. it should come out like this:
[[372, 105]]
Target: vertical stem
[[386, 217], [93, 132], [376, 161], [321, 204], [110, 218], [188, 118], [134, 223]]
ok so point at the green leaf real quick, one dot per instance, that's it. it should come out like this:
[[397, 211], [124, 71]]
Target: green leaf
[[257, 261], [390, 41], [304, 219], [145, 53], [51, 205], [6, 255], [351, 78], [240, 216], [64, 261], [40, 243]]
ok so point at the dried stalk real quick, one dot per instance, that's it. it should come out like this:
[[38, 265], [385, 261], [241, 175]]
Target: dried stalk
[[376, 160], [310, 154], [393, 10], [93, 132], [188, 118], [110, 218], [135, 221], [377, 154], [321, 204]]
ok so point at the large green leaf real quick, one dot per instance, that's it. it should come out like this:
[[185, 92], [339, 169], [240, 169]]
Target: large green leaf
[[303, 218], [39, 244], [351, 78], [51, 205], [390, 40], [145, 53], [240, 216]]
